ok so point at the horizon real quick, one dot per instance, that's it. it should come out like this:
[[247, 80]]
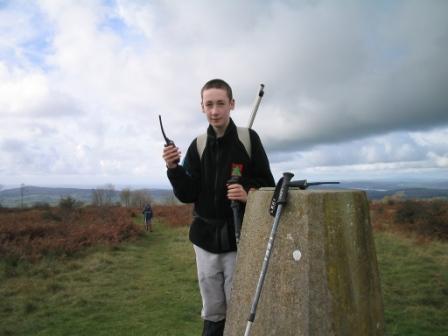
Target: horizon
[[417, 181]]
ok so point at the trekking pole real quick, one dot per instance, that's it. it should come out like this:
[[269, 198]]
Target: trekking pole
[[283, 184], [235, 205], [257, 104], [278, 201]]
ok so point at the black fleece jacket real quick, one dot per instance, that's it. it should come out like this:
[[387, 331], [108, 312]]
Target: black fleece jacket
[[204, 183]]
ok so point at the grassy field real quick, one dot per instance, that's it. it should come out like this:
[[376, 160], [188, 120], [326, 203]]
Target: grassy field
[[414, 279], [142, 288], [148, 287]]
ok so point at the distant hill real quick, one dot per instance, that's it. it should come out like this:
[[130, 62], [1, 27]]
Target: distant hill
[[411, 189], [379, 190], [396, 185], [375, 190], [411, 193], [52, 196]]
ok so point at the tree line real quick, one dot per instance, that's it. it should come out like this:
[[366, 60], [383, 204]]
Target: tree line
[[103, 196]]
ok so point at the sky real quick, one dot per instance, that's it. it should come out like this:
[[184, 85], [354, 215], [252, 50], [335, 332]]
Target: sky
[[353, 89]]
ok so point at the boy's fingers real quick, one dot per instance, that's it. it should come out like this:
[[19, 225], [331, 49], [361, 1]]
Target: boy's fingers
[[171, 152], [170, 149], [172, 158], [234, 187], [235, 190], [171, 155]]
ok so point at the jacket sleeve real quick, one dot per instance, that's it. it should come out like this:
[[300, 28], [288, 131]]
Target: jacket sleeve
[[186, 178], [262, 175]]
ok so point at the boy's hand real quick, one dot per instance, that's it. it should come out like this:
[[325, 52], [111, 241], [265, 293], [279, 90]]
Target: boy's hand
[[236, 192], [171, 155]]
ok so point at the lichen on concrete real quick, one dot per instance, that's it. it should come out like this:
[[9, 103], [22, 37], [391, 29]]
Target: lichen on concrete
[[333, 289]]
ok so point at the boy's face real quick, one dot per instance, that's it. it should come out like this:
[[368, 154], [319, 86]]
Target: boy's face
[[217, 106]]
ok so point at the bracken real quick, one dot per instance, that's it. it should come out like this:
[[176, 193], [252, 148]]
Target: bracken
[[34, 233], [426, 219]]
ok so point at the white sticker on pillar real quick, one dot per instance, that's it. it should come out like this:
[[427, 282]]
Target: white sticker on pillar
[[296, 255]]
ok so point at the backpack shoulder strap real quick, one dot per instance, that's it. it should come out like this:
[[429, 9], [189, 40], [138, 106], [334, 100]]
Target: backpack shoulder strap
[[243, 136], [201, 141]]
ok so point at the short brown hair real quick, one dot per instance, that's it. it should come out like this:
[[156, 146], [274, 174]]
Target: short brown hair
[[217, 84]]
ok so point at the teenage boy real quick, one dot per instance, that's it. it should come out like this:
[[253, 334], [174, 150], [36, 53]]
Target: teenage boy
[[203, 180]]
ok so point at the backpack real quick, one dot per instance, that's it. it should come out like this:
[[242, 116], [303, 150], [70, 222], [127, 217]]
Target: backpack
[[243, 136]]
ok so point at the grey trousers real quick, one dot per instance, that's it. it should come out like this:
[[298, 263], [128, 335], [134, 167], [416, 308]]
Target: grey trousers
[[215, 274]]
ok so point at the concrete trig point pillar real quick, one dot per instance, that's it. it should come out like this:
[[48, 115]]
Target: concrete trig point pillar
[[331, 287]]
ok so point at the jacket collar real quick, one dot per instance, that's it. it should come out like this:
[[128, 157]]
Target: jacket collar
[[231, 129]]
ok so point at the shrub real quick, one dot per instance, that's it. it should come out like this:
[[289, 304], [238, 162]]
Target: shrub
[[69, 203], [175, 215], [408, 212], [41, 205], [426, 218], [50, 216], [35, 233]]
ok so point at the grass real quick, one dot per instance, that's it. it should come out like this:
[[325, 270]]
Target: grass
[[414, 284], [148, 287]]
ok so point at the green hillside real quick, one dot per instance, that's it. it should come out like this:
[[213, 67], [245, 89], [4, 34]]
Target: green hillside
[[149, 288]]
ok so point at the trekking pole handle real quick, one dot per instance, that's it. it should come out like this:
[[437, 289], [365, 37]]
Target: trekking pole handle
[[235, 205], [283, 195], [257, 104]]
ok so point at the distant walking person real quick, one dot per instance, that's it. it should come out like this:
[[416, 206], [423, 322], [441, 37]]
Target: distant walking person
[[147, 216]]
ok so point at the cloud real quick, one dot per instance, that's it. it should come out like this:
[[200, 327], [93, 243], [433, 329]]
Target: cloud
[[352, 77], [29, 94], [408, 154], [359, 86], [20, 90], [24, 33], [11, 145]]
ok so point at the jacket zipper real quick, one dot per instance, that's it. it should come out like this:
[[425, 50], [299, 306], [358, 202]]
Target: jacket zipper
[[218, 154]]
